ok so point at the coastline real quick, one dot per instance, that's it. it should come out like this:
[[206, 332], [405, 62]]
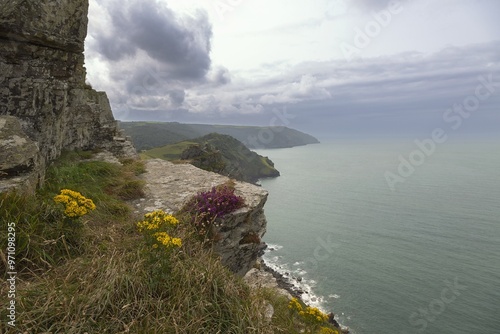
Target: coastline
[[285, 283]]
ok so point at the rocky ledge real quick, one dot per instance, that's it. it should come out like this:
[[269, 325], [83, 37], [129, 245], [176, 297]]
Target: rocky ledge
[[169, 186]]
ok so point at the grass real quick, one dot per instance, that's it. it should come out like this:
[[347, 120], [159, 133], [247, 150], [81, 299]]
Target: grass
[[168, 152], [96, 276], [44, 237]]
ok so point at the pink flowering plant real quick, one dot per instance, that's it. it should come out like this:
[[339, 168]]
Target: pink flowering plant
[[206, 207]]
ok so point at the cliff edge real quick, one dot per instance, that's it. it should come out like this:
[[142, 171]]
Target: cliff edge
[[169, 186]]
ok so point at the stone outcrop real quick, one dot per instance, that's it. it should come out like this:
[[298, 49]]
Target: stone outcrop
[[42, 85], [169, 186]]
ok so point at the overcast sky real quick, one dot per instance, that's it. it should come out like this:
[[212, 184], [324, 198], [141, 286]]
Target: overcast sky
[[322, 66]]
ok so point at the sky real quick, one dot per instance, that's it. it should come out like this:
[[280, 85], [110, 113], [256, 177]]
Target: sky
[[327, 67]]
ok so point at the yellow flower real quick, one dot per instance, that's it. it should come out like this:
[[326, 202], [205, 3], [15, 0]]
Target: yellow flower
[[313, 314], [155, 220], [76, 205], [154, 227], [166, 240], [176, 242], [326, 330], [295, 305]]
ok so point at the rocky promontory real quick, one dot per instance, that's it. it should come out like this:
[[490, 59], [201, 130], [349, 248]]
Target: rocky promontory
[[169, 186]]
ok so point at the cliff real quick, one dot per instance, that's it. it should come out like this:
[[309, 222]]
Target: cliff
[[45, 105], [169, 186]]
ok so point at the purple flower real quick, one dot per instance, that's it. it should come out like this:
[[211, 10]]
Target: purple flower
[[206, 207]]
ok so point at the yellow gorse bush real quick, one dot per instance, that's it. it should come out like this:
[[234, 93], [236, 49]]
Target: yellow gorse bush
[[295, 305], [76, 205], [155, 227], [311, 315], [155, 220], [326, 330], [166, 240]]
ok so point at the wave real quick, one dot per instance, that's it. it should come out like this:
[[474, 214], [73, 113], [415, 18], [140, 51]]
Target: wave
[[294, 275], [273, 247]]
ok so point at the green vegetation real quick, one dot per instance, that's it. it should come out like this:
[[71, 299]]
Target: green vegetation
[[220, 154], [148, 135], [206, 207], [93, 272], [170, 152]]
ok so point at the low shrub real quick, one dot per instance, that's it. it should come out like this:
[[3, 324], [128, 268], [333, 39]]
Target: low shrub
[[75, 204], [206, 207], [156, 227], [313, 318]]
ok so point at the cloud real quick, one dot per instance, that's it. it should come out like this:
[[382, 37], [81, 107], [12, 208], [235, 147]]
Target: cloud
[[177, 96], [155, 64], [150, 28], [403, 93], [146, 57], [220, 76], [406, 92], [307, 88]]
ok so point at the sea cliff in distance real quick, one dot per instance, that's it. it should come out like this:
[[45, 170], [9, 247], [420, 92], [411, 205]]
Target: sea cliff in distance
[[148, 135]]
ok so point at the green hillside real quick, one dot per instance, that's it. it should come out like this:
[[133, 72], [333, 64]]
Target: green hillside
[[148, 135], [218, 153]]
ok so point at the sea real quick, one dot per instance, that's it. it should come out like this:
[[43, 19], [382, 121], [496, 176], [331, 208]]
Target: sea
[[422, 256]]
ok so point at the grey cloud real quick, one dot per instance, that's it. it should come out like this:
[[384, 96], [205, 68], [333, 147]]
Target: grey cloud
[[221, 76], [115, 48], [181, 44], [177, 96], [403, 93]]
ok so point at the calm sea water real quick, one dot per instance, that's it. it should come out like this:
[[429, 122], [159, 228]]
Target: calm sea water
[[422, 259]]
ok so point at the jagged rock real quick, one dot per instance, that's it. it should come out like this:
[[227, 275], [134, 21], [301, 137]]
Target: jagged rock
[[170, 186], [42, 80]]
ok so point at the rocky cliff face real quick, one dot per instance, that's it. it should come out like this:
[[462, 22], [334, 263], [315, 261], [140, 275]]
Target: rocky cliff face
[[169, 186], [43, 89]]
